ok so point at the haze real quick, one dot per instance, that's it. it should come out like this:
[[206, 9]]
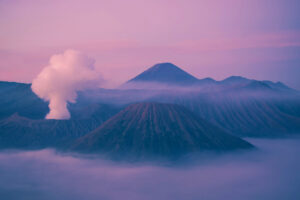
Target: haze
[[146, 100], [268, 173]]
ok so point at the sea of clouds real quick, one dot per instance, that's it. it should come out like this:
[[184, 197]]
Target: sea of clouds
[[271, 172]]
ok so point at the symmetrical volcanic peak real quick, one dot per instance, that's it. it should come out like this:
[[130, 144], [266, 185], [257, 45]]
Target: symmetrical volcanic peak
[[156, 129]]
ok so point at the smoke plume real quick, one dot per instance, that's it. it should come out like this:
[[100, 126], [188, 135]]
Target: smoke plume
[[58, 82]]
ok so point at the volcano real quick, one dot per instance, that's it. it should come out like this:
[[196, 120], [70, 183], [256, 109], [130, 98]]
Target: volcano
[[165, 73], [145, 130]]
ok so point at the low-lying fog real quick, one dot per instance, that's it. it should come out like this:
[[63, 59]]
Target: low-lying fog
[[270, 173]]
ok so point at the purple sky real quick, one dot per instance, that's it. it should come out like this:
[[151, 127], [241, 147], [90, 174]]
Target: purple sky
[[258, 39]]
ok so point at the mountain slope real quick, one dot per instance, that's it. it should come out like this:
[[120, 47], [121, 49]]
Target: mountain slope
[[18, 97], [165, 73], [21, 132], [243, 113], [244, 83], [153, 129]]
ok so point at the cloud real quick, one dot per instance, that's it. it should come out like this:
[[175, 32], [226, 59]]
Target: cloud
[[270, 173], [58, 82]]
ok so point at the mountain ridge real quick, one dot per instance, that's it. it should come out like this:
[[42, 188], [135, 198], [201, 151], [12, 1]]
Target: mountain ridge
[[166, 74], [157, 129]]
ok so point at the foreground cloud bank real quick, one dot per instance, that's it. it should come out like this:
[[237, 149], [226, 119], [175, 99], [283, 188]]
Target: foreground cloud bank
[[270, 173], [58, 82]]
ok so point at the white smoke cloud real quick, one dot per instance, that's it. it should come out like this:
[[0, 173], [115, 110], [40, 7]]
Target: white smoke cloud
[[58, 82]]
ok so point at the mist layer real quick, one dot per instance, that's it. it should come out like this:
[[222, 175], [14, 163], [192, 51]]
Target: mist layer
[[269, 173]]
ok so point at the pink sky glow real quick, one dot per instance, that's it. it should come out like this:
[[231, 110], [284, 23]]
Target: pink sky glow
[[258, 39]]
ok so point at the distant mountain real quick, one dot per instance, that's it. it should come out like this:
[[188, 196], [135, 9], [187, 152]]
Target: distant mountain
[[206, 81], [18, 97], [21, 132], [164, 73], [235, 82], [170, 76], [257, 85], [244, 107], [245, 112], [153, 129], [279, 85]]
